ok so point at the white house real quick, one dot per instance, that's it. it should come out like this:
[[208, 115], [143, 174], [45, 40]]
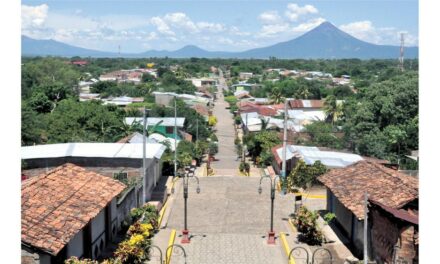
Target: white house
[[68, 211]]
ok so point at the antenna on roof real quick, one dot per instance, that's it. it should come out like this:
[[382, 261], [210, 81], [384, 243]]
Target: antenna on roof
[[402, 44]]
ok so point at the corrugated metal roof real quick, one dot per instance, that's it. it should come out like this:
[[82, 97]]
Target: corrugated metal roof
[[98, 150], [329, 158], [152, 121]]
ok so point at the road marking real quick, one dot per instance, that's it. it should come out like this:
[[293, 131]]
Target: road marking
[[170, 242], [313, 196], [162, 212], [286, 247], [292, 226]]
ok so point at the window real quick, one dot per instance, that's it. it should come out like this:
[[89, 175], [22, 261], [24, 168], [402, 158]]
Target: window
[[169, 130], [120, 176]]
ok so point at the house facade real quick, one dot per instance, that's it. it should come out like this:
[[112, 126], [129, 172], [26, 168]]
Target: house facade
[[114, 160], [162, 125], [346, 188], [67, 212]]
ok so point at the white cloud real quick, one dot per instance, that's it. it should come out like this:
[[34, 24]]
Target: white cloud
[[226, 41], [210, 27], [294, 11], [306, 26], [172, 22], [237, 32], [366, 31], [270, 17], [181, 20], [33, 16], [152, 36], [161, 26], [272, 30]]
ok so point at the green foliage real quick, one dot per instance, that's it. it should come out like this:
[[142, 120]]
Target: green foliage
[[237, 120], [384, 120], [40, 103], [306, 223], [212, 148], [76, 260], [73, 121], [332, 109], [146, 77], [147, 214], [322, 134], [47, 72], [260, 146], [213, 137], [231, 100], [304, 175], [244, 167], [33, 126], [329, 217]]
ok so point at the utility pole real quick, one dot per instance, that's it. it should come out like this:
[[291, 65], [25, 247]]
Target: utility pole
[[175, 136], [365, 228], [247, 127], [283, 168], [144, 166]]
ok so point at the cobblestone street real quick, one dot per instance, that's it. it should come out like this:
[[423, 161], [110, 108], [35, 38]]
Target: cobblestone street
[[229, 221]]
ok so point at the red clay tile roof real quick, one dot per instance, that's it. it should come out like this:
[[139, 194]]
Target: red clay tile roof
[[201, 109], [398, 213], [297, 103], [387, 186], [267, 111], [57, 205]]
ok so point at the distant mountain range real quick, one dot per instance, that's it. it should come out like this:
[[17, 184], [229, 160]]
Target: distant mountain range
[[323, 42]]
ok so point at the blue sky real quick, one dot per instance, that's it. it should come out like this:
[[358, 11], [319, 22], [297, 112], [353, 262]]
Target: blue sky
[[138, 25]]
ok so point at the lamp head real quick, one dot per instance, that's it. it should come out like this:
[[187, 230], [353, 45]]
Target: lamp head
[[172, 190], [260, 190], [198, 189]]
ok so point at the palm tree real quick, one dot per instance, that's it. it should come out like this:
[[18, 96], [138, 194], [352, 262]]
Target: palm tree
[[332, 109], [277, 96], [303, 92]]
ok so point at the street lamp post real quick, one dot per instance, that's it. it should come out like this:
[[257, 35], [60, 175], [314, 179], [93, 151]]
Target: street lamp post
[[188, 170], [271, 235]]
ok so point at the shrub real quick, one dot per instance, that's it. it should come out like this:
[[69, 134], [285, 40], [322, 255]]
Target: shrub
[[328, 217], [244, 167], [75, 260], [305, 175], [306, 223], [148, 213], [212, 121]]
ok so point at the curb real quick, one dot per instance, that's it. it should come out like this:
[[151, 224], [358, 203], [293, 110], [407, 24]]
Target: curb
[[170, 242], [286, 247], [292, 226]]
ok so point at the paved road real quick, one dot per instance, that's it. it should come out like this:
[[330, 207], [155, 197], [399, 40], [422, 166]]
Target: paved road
[[229, 221], [227, 163]]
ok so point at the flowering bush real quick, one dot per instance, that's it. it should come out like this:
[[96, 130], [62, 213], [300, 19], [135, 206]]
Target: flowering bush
[[140, 228], [75, 260], [148, 213], [306, 223], [134, 249]]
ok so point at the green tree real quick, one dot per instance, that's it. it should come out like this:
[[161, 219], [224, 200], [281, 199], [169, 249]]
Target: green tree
[[277, 96], [332, 109], [33, 126], [40, 103], [303, 176]]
